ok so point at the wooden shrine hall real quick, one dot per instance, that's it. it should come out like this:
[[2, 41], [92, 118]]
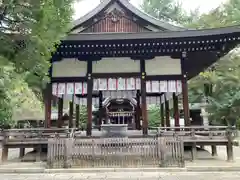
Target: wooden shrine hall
[[118, 52]]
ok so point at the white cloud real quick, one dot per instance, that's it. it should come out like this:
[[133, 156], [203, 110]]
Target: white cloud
[[85, 6]]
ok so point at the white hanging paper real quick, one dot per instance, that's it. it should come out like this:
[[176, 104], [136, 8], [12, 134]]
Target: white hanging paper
[[112, 84], [155, 86], [138, 84], [61, 88], [84, 90], [95, 85], [172, 86], [163, 86], [131, 84], [148, 86], [121, 84], [102, 84], [78, 88], [179, 86], [70, 88], [55, 89]]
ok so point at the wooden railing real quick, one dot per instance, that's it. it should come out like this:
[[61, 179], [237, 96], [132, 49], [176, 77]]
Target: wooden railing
[[115, 152], [196, 133], [199, 132]]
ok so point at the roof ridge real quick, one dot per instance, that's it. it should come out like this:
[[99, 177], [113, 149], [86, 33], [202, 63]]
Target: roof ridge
[[137, 12]]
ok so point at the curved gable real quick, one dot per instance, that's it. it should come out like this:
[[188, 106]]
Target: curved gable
[[119, 16]]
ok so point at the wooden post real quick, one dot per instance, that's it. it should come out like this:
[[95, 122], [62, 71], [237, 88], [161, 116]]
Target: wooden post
[[214, 150], [4, 153], [68, 146], [185, 90], [138, 110], [167, 111], [77, 115], [48, 105], [229, 145], [89, 98], [163, 123], [60, 112], [176, 110], [185, 101], [71, 114], [194, 146], [21, 152], [143, 98], [100, 110]]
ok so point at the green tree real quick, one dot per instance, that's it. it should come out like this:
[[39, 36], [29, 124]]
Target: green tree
[[29, 31], [224, 75], [168, 10]]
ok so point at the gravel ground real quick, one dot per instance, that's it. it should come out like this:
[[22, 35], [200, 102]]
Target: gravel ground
[[126, 176]]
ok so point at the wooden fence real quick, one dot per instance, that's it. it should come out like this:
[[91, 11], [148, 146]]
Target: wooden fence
[[115, 152]]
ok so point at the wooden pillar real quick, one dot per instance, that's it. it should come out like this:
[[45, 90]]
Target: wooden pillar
[[71, 114], [138, 110], [48, 105], [89, 97], [167, 111], [4, 153], [100, 110], [185, 101], [60, 112], [185, 91], [77, 115], [143, 98], [163, 124], [176, 110]]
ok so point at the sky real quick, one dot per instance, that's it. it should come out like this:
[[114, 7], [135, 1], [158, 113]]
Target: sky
[[85, 6]]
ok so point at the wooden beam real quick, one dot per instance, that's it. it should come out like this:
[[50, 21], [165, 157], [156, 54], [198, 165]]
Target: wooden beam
[[143, 98], [60, 112], [89, 98]]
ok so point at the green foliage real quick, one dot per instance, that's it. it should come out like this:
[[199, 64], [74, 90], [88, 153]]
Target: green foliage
[[29, 31], [168, 10], [223, 77], [83, 117], [154, 116]]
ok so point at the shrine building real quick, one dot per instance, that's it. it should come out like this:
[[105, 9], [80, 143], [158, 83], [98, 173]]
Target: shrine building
[[123, 60]]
